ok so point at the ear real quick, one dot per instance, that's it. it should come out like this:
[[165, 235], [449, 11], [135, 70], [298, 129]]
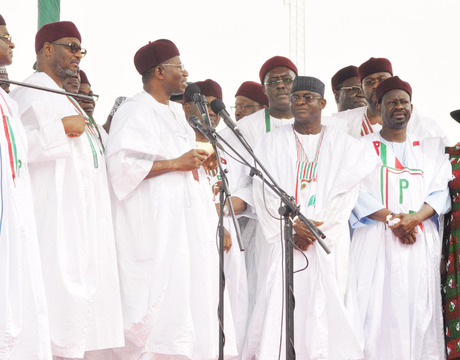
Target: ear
[[323, 103], [378, 106], [159, 72], [47, 49], [336, 96]]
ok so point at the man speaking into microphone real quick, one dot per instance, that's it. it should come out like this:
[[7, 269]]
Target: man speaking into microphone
[[165, 220]]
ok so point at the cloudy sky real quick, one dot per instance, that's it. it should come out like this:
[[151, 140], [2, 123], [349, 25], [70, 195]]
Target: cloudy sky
[[228, 41]]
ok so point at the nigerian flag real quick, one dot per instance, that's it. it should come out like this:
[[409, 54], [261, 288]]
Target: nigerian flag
[[48, 11]]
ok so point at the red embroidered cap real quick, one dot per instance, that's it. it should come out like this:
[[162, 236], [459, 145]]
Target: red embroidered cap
[[274, 62], [392, 83], [55, 31], [253, 91], [207, 87], [374, 65], [154, 53], [342, 75]]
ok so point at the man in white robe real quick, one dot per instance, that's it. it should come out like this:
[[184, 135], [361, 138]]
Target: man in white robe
[[249, 98], [367, 119], [394, 286], [317, 165], [72, 204], [24, 330], [165, 220]]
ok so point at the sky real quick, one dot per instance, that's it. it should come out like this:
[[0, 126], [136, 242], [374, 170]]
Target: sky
[[229, 40]]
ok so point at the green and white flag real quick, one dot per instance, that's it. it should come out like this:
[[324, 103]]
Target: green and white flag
[[48, 11]]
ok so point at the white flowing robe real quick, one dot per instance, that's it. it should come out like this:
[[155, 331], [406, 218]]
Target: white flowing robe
[[322, 328], [75, 231], [394, 289], [236, 281], [418, 125], [24, 330], [165, 229]]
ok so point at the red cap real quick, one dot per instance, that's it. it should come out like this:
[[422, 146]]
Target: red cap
[[253, 91], [207, 88], [55, 31], [274, 62], [342, 75], [154, 53], [2, 20], [374, 65], [392, 83], [84, 78]]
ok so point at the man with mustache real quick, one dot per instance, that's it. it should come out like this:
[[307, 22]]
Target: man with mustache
[[367, 119], [393, 292], [165, 220], [347, 89], [72, 204], [317, 165]]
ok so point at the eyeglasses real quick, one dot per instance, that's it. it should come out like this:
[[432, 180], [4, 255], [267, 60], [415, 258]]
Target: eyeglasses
[[7, 38], [305, 98], [370, 83], [274, 83], [356, 89], [181, 66], [242, 107], [73, 47]]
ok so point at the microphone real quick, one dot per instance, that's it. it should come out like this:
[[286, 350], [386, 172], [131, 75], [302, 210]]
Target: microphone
[[218, 107], [207, 131], [193, 92]]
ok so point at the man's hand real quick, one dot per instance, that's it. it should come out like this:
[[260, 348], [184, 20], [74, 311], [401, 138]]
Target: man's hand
[[211, 162], [303, 238], [191, 160], [406, 228], [74, 125]]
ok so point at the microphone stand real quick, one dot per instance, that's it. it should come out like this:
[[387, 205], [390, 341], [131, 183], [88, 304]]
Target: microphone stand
[[42, 88], [224, 194], [288, 210]]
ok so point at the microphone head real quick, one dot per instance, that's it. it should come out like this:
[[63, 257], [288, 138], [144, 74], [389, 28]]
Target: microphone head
[[192, 91], [217, 105], [194, 121]]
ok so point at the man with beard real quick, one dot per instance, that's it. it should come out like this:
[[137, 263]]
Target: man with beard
[[72, 204], [367, 119], [165, 220], [24, 330], [347, 89], [249, 98], [393, 292], [318, 165]]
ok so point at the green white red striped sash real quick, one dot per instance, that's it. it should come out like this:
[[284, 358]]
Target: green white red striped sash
[[15, 164], [91, 133], [306, 170], [391, 166], [366, 126]]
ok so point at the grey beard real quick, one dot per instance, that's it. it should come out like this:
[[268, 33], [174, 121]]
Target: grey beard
[[64, 73]]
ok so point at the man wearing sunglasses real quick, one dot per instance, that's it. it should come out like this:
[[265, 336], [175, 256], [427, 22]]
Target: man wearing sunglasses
[[318, 166], [367, 119], [347, 89], [72, 203]]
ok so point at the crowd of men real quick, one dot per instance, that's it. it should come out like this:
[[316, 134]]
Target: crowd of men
[[108, 233]]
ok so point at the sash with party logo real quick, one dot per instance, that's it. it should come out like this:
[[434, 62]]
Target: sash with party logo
[[306, 170]]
